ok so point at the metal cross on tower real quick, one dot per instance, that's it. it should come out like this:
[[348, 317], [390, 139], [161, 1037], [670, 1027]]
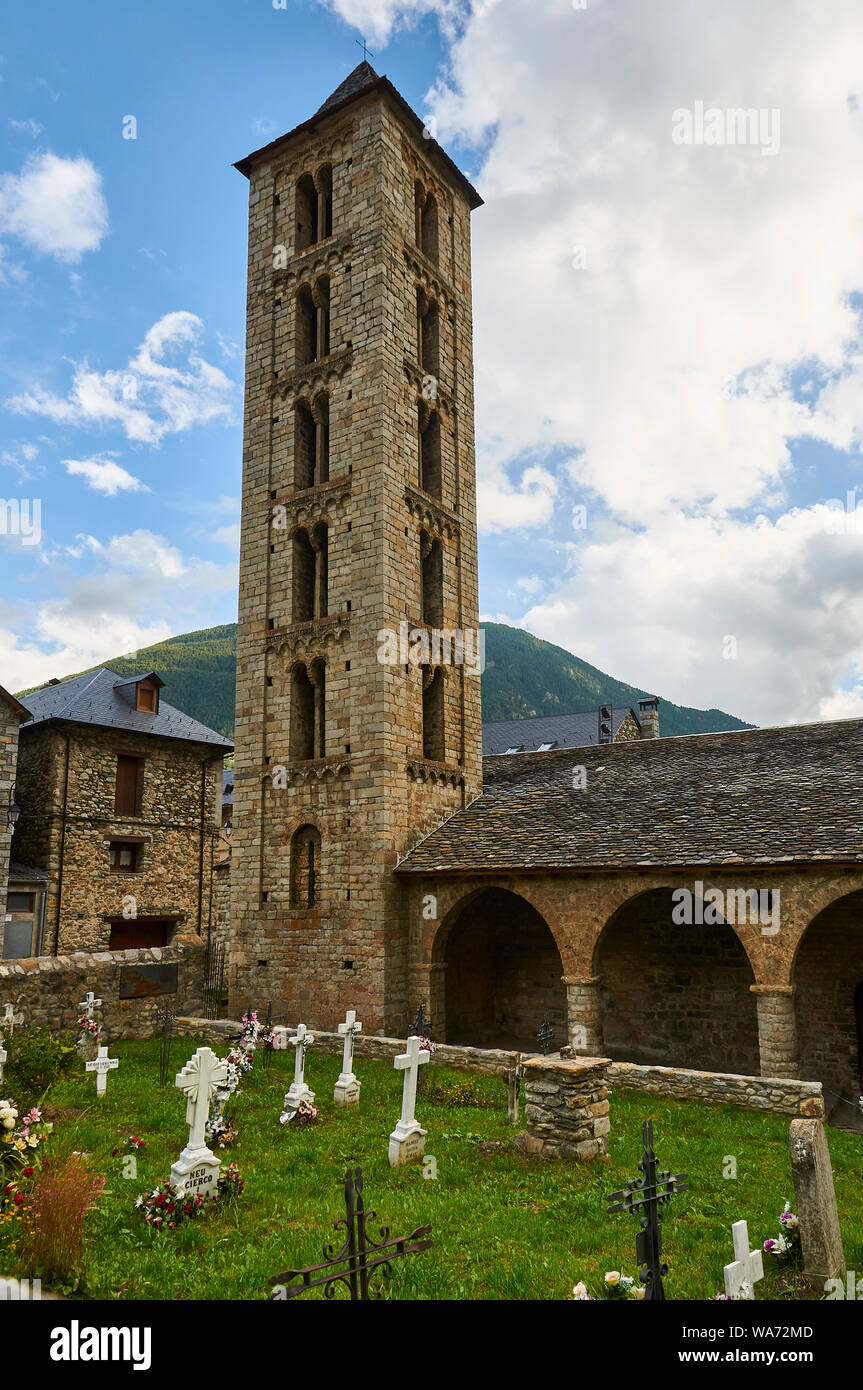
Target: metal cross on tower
[[645, 1196], [361, 43]]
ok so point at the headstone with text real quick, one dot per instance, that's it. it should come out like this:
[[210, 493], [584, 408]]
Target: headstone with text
[[197, 1169], [298, 1090], [407, 1141], [101, 1064], [347, 1091]]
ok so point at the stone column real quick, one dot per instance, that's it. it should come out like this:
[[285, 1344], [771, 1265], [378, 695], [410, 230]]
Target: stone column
[[584, 1019], [426, 986], [777, 1030]]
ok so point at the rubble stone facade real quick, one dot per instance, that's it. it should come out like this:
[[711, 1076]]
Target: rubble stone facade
[[358, 517], [11, 715]]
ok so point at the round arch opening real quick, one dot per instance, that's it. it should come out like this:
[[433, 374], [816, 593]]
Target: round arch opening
[[503, 975], [675, 995], [828, 1003]]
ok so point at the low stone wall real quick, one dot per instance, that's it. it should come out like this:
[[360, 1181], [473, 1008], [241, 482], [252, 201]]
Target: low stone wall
[[221, 1032], [778, 1094], [566, 1108], [49, 989]]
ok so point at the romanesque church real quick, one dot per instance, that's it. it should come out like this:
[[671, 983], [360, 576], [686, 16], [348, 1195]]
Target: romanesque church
[[378, 860]]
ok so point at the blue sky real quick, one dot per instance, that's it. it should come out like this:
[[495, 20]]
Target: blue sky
[[666, 335]]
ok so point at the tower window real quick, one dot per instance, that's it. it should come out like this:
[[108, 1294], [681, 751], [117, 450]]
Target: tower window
[[307, 213], [429, 334], [305, 446], [307, 331], [310, 578], [429, 244], [430, 454], [433, 714], [305, 866], [431, 563], [308, 689], [324, 189]]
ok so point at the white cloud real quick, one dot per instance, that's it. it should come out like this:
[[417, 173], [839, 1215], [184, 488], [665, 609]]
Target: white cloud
[[55, 206], [138, 589], [104, 475], [27, 127], [502, 507], [149, 398], [377, 19]]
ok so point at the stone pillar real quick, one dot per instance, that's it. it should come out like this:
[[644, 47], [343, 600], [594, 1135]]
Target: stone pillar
[[584, 1019], [820, 1237], [566, 1108], [426, 986], [777, 1030]]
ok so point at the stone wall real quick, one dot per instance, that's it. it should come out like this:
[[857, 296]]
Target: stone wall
[[566, 1108], [777, 1094], [221, 905], [9, 724], [67, 782], [49, 989]]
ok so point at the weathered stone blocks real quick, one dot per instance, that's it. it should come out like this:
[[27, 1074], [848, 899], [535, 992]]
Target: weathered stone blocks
[[566, 1108]]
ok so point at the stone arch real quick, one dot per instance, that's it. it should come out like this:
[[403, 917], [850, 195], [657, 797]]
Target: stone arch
[[499, 973], [827, 974], [675, 995], [305, 866]]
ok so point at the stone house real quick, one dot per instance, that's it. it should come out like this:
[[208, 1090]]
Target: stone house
[[12, 714], [120, 810], [691, 902]]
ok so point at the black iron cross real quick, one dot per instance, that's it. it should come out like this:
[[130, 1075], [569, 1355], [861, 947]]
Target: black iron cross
[[268, 1026], [361, 43], [545, 1035], [361, 1255], [421, 1025], [645, 1196]]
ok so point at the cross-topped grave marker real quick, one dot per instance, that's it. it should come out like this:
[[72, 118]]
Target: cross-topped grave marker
[[748, 1267], [197, 1168], [645, 1196], [10, 1018], [347, 1090], [3, 1056], [90, 1003], [298, 1090], [101, 1064], [408, 1139]]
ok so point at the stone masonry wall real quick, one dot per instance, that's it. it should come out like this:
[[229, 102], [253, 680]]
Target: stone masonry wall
[[48, 989], [9, 724], [566, 1108], [776, 1094]]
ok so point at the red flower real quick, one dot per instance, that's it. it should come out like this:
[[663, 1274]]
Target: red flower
[[18, 1198], [187, 1208], [114, 1153], [161, 1199], [10, 1187], [27, 1173]]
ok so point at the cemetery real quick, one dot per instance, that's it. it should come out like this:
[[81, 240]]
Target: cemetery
[[452, 1161]]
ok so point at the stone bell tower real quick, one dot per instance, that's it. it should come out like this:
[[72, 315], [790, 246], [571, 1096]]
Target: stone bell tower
[[358, 693]]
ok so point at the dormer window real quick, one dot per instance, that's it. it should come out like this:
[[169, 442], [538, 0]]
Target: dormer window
[[148, 697]]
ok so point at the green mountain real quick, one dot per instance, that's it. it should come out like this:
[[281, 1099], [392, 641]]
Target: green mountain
[[523, 676]]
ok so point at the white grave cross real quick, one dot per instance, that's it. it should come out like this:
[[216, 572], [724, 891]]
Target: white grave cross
[[408, 1138], [198, 1079], [3, 1055], [347, 1090], [101, 1065], [10, 1018], [90, 1003], [747, 1268], [298, 1091]]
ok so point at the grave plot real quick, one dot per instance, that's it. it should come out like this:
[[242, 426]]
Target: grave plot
[[505, 1225]]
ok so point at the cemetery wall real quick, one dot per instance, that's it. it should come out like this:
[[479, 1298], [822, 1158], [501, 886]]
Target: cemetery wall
[[777, 1094], [49, 989]]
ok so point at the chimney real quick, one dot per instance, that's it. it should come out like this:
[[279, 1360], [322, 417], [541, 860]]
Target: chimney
[[648, 716]]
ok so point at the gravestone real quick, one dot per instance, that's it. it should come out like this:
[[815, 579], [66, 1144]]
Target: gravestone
[[3, 1057], [10, 1019], [101, 1064], [197, 1169], [408, 1139], [747, 1268], [820, 1237], [347, 1090], [88, 1043], [298, 1090]]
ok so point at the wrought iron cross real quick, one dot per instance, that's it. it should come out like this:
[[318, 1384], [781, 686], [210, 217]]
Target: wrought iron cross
[[645, 1196], [421, 1026], [360, 1254], [545, 1035], [361, 43]]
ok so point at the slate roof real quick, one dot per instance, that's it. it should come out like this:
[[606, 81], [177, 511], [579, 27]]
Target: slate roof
[[22, 873], [754, 796], [14, 704], [97, 698], [570, 731], [364, 79]]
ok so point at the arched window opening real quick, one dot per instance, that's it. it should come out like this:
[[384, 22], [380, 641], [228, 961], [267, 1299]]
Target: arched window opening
[[319, 539], [431, 561], [307, 213], [303, 578], [307, 327], [305, 446], [305, 867], [321, 413], [433, 714], [431, 473], [321, 297], [430, 339], [429, 244], [324, 187], [308, 689]]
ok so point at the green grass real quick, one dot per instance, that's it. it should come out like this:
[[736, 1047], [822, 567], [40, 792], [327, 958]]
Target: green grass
[[503, 1227]]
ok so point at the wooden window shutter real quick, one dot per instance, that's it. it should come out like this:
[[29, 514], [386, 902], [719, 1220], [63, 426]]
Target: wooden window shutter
[[126, 792]]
